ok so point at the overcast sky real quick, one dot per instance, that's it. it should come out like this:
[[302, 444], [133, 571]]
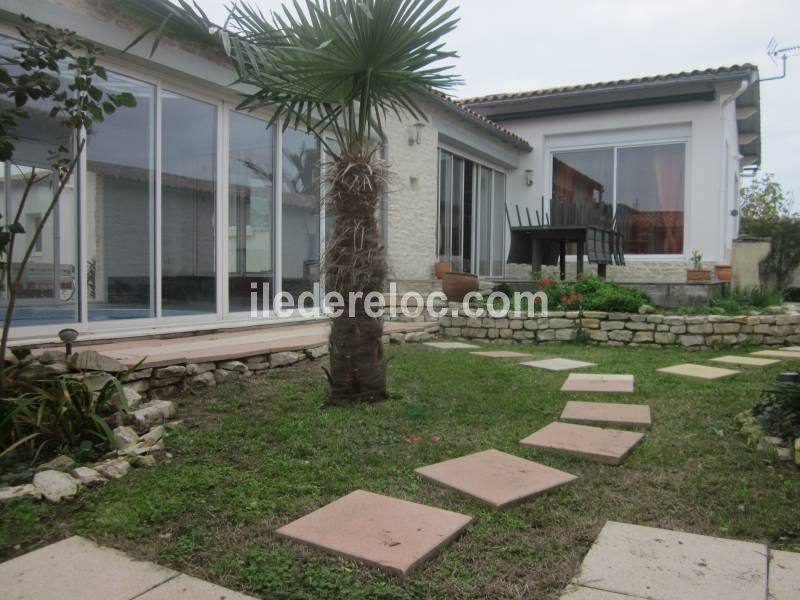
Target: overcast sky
[[512, 45]]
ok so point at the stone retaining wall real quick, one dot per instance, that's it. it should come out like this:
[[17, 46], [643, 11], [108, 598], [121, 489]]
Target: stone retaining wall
[[621, 329]]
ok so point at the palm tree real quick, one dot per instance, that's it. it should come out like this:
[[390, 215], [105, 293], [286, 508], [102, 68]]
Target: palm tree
[[338, 69]]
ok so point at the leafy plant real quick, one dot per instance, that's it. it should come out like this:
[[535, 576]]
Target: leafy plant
[[784, 256], [37, 70], [779, 410], [764, 200], [697, 260], [60, 414], [594, 292]]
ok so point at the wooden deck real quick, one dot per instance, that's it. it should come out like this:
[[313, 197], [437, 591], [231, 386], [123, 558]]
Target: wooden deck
[[219, 346]]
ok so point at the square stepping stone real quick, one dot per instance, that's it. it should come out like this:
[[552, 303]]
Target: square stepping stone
[[558, 364], [190, 588], [610, 446], [78, 569], [699, 371], [450, 345], [496, 477], [790, 348], [745, 361], [784, 575], [385, 532], [790, 354], [502, 354], [607, 413], [644, 562], [590, 382]]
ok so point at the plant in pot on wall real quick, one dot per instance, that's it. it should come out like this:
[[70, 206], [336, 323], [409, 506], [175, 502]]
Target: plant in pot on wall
[[456, 285], [723, 272], [697, 274]]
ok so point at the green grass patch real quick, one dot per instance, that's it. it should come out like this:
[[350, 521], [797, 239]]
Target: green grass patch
[[257, 455]]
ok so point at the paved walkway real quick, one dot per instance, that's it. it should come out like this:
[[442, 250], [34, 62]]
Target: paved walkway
[[226, 345], [78, 569]]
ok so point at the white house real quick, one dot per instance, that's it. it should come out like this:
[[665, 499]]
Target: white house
[[183, 204]]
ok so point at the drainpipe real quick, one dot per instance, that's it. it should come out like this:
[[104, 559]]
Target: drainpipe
[[743, 86]]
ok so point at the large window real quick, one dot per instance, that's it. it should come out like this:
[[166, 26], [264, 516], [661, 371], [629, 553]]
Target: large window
[[642, 185], [250, 210], [301, 212], [188, 193], [120, 202], [472, 221]]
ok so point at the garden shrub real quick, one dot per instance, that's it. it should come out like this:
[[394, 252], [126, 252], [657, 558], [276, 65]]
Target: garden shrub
[[778, 411], [591, 293], [784, 256]]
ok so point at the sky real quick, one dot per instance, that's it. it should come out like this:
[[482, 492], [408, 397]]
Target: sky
[[513, 45]]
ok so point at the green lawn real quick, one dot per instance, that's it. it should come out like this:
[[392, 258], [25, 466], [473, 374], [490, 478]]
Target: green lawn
[[254, 456]]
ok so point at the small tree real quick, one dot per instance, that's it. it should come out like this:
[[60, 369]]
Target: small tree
[[58, 66], [764, 200]]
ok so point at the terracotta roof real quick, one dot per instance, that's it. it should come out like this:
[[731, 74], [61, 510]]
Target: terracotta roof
[[481, 121], [698, 74]]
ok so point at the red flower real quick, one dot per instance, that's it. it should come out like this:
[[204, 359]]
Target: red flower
[[410, 438]]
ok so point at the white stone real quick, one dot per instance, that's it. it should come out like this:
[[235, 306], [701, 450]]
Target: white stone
[[17, 492], [125, 437], [645, 562], [153, 436], [284, 359], [784, 575], [131, 397], [558, 364], [236, 366], [113, 469], [55, 485], [155, 412], [88, 476], [318, 352]]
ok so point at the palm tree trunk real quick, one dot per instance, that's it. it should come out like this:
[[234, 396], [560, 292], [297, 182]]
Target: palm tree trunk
[[355, 266]]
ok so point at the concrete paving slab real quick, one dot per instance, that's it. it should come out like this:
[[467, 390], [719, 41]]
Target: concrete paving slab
[[660, 564], [745, 361], [450, 345], [782, 354], [558, 364], [78, 569], [575, 592], [191, 588], [591, 382], [495, 477], [790, 348], [607, 413], [502, 354], [699, 371], [784, 575], [385, 532], [611, 446]]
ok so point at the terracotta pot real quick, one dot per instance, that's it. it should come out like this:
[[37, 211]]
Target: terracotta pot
[[441, 268], [723, 272], [456, 285], [698, 276]]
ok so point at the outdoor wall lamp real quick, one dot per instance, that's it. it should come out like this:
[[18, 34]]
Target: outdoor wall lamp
[[529, 177], [68, 336], [414, 138]]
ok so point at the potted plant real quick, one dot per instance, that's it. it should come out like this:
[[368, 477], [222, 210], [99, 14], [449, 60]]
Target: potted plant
[[456, 285], [697, 274], [441, 268], [723, 272]]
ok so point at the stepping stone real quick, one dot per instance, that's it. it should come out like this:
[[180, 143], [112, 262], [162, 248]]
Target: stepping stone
[[590, 382], [699, 371], [77, 569], [574, 592], [558, 364], [644, 562], [502, 354], [745, 361], [191, 588], [607, 413], [790, 348], [496, 477], [784, 575], [385, 532], [791, 354], [610, 446], [450, 345]]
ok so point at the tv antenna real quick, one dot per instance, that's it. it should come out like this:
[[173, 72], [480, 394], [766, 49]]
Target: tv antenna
[[781, 54]]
